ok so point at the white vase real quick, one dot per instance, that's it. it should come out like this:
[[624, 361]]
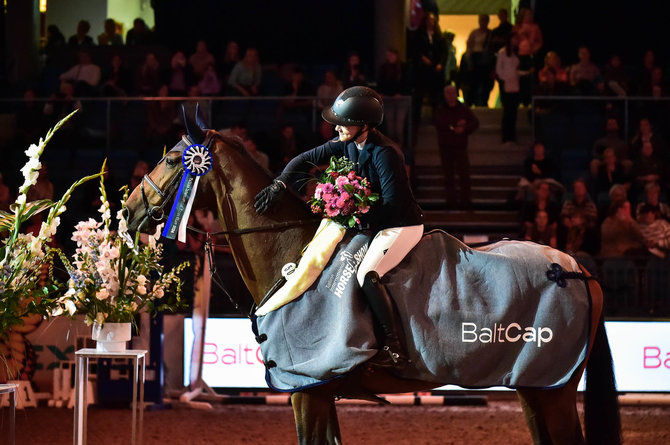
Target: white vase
[[111, 337]]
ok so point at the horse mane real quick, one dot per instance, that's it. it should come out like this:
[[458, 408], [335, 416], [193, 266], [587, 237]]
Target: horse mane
[[236, 143]]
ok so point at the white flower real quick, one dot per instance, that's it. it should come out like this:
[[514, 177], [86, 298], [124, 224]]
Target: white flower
[[33, 151], [61, 209], [142, 290], [70, 306], [102, 294], [20, 200], [141, 280], [158, 292]]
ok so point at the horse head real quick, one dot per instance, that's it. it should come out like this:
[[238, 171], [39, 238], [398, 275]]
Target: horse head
[[261, 244]]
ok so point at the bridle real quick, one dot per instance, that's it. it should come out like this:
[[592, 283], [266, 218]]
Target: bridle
[[157, 212]]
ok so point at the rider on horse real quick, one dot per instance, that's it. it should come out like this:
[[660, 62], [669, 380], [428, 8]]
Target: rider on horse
[[396, 218]]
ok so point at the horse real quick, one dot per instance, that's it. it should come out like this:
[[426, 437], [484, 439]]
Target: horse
[[262, 244]]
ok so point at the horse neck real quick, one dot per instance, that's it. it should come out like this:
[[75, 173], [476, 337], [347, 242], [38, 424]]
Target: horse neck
[[259, 256]]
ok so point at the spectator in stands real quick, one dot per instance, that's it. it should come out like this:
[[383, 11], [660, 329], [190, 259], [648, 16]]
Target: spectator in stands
[[620, 235], [353, 73], [117, 80], [450, 63], [245, 78], [643, 79], [611, 139], [652, 198], [540, 231], [538, 165], [581, 203], [109, 36], [201, 59], [261, 158], [508, 74], [610, 172], [81, 39], [585, 76], [230, 57], [655, 230], [530, 42], [289, 145], [530, 34], [647, 169], [54, 39], [576, 237], [542, 200], [501, 33], [149, 76], [657, 84], [481, 63], [180, 76], [61, 104], [645, 133], [552, 78], [455, 122], [428, 54], [615, 76], [161, 116], [139, 34], [85, 75], [391, 84], [209, 84], [6, 197], [328, 90]]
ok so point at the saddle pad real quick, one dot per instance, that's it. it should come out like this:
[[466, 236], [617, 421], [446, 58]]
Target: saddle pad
[[483, 317]]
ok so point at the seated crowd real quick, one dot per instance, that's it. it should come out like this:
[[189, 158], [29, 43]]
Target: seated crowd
[[618, 208]]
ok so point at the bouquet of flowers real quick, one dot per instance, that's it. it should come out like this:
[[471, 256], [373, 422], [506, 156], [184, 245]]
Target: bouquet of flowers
[[112, 276], [341, 195], [26, 287]]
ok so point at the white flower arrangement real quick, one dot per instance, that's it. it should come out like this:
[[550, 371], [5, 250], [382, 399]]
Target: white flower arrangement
[[112, 277], [24, 256]]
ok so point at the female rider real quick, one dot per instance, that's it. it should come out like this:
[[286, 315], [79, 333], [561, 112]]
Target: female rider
[[396, 218]]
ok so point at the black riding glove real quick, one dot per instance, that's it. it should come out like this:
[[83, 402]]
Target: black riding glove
[[269, 197]]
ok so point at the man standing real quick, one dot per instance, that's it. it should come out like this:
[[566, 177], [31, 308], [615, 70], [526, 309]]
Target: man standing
[[455, 122]]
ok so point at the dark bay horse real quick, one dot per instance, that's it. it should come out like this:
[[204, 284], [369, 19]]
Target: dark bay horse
[[229, 189]]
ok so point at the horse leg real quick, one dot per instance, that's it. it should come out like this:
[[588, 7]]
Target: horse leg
[[315, 418], [552, 415]]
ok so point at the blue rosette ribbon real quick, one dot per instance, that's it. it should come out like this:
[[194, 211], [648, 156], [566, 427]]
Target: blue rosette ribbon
[[197, 161]]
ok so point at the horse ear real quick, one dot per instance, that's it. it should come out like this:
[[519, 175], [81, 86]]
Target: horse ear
[[195, 133], [198, 118]]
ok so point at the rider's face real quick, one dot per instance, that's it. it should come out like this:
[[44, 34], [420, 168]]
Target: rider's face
[[346, 132]]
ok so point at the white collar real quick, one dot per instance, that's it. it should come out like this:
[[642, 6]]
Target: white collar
[[361, 145]]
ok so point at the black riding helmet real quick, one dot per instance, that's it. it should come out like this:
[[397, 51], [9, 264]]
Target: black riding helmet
[[356, 106]]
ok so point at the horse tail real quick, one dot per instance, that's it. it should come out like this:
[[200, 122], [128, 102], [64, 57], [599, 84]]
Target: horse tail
[[601, 403]]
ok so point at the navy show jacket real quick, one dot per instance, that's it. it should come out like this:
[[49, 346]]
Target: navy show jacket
[[381, 162]]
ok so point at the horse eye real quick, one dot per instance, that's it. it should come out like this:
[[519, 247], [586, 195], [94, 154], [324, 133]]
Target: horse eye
[[171, 161]]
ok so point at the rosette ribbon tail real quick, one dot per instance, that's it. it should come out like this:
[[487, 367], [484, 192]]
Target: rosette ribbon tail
[[197, 161]]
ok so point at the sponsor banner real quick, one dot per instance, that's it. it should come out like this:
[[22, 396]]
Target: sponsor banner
[[641, 352]]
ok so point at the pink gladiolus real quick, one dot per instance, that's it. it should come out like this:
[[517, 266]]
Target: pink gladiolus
[[351, 175]]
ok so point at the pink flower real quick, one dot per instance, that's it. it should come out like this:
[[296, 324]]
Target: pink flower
[[327, 188], [364, 209], [327, 197], [351, 175], [341, 180], [332, 212], [316, 209]]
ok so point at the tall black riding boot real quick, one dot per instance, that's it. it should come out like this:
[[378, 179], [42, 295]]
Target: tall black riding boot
[[393, 351]]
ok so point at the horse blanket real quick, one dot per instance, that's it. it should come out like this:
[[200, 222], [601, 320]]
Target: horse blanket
[[512, 313]]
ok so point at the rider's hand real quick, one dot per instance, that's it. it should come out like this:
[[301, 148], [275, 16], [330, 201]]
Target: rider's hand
[[269, 197]]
